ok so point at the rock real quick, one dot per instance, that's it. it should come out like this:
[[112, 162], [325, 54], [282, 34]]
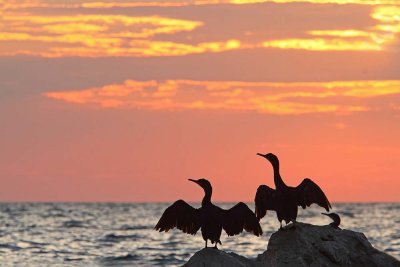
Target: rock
[[218, 258], [307, 245], [311, 245]]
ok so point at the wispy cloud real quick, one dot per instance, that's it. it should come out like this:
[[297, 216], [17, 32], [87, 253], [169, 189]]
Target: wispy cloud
[[261, 97], [371, 39], [21, 4], [234, 2], [120, 35], [100, 35], [389, 19], [320, 44]]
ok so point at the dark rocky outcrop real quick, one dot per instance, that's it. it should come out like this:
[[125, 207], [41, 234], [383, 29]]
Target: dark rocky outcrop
[[307, 245]]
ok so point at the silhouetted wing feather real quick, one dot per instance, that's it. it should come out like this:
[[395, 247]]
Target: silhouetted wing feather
[[265, 200], [240, 217], [309, 192], [182, 216]]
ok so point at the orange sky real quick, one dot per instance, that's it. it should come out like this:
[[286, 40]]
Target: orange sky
[[125, 100]]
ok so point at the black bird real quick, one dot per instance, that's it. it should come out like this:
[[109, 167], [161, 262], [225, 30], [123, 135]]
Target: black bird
[[335, 217], [285, 199], [210, 218]]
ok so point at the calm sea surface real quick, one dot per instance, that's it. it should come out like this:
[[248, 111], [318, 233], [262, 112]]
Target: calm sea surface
[[105, 234]]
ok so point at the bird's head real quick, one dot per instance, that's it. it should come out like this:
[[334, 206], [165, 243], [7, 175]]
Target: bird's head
[[270, 157], [204, 183]]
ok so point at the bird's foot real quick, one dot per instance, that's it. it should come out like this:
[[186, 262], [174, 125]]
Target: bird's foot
[[215, 247]]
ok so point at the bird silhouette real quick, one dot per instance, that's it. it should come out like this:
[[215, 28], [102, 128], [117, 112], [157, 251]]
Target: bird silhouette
[[285, 199], [210, 218]]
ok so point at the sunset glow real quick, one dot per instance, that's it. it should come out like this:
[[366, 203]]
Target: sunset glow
[[125, 100]]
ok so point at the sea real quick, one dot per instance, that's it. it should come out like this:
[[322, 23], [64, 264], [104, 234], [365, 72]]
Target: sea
[[122, 234]]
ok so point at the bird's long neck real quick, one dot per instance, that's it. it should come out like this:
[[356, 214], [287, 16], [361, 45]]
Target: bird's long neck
[[279, 184], [207, 196]]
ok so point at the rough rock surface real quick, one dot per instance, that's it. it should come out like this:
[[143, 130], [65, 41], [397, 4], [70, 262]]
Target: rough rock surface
[[311, 245], [218, 258], [307, 245]]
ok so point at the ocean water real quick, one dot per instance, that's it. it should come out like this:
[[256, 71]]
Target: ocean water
[[111, 234]]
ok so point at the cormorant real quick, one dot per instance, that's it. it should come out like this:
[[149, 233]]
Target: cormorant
[[210, 218], [335, 217], [285, 199]]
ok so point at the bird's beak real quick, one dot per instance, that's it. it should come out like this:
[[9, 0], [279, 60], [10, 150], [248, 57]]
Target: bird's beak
[[325, 213], [194, 181], [259, 154]]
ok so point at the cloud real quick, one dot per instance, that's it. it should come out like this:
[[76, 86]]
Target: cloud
[[320, 44], [339, 2], [26, 31], [389, 22], [102, 35], [262, 97], [22, 4], [95, 35], [372, 39]]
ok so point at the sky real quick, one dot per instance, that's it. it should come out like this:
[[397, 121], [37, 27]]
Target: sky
[[126, 100]]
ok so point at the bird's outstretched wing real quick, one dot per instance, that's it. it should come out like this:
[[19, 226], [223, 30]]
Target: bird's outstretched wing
[[309, 192], [240, 217], [182, 216], [265, 200]]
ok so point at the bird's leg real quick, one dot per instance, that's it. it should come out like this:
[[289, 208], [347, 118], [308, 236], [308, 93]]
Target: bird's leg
[[216, 245], [206, 243]]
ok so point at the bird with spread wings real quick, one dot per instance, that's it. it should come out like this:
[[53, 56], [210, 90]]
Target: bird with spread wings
[[286, 199], [210, 218]]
